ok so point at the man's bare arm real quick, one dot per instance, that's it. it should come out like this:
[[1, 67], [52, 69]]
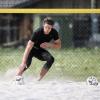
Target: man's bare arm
[[56, 44], [29, 46]]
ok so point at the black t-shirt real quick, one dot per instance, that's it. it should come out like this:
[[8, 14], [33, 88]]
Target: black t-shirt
[[39, 37]]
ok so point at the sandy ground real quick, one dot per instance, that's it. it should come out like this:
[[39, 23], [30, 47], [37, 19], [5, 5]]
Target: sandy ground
[[47, 90]]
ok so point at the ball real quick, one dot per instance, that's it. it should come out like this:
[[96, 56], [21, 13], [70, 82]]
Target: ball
[[92, 80]]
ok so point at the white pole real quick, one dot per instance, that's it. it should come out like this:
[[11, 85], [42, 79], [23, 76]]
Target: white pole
[[93, 3], [94, 18]]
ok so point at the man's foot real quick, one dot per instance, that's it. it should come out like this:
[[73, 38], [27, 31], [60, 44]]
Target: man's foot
[[19, 80], [39, 79]]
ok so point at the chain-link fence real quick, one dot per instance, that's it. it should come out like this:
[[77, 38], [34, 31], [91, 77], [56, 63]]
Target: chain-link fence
[[49, 4], [77, 59]]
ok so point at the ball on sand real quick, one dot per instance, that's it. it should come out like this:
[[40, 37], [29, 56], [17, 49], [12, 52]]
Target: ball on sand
[[92, 80]]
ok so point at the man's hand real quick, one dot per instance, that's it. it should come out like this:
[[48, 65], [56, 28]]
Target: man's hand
[[45, 45], [56, 44]]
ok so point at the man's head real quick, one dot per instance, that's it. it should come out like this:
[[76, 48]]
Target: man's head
[[48, 25]]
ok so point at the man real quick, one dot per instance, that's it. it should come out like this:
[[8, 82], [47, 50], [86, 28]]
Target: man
[[36, 47]]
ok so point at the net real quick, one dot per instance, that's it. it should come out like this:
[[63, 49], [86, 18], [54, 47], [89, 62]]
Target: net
[[10, 3]]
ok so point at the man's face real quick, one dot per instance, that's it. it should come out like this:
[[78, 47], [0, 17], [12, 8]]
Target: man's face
[[47, 28]]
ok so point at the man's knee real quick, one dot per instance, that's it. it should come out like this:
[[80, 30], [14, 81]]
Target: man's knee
[[51, 60], [49, 63]]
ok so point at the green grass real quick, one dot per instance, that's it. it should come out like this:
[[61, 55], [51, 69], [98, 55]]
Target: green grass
[[75, 64]]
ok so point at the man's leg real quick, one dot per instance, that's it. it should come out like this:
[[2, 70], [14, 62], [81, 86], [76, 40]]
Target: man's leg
[[23, 67], [20, 71], [49, 61], [19, 78], [42, 73]]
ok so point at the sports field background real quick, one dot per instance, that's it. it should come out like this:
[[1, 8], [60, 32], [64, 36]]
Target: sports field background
[[75, 64], [76, 60]]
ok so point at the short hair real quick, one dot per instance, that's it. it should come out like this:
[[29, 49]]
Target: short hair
[[49, 21]]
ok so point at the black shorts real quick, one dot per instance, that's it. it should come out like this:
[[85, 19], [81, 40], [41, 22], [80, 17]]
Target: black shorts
[[40, 54]]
